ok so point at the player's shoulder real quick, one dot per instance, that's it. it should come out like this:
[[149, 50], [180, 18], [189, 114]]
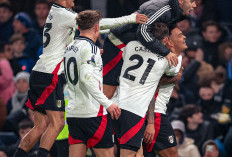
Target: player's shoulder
[[134, 43], [88, 44], [63, 10]]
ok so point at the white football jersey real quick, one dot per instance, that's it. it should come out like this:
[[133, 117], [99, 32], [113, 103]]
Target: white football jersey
[[165, 91], [59, 30], [59, 25], [140, 75], [83, 72]]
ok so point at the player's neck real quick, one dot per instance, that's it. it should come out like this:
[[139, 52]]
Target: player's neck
[[89, 35], [62, 3], [175, 51]]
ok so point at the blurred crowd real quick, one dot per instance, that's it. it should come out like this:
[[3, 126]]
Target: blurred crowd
[[200, 107]]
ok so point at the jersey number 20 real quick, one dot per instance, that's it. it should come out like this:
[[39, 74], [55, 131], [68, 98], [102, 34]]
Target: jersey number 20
[[150, 62]]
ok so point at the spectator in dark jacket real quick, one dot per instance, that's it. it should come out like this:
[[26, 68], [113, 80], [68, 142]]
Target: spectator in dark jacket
[[24, 127], [22, 24], [18, 46], [196, 128], [212, 34], [225, 53], [10, 57], [6, 20], [42, 8]]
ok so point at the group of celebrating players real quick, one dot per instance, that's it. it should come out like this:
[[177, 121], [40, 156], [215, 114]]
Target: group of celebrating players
[[117, 97]]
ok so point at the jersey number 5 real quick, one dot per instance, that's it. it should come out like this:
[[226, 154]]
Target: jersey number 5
[[150, 62], [67, 70], [48, 27]]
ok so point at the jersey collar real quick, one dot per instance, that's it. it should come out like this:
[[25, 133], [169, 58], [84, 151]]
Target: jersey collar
[[58, 5], [85, 38]]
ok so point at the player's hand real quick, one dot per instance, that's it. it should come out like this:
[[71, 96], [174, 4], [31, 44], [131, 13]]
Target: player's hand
[[149, 133], [114, 111], [172, 59], [141, 18]]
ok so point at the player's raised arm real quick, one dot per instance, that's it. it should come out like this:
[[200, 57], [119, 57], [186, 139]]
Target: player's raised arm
[[108, 23]]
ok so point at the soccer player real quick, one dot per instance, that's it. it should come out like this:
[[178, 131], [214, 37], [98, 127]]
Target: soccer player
[[140, 75], [88, 123], [166, 11], [164, 140], [46, 80]]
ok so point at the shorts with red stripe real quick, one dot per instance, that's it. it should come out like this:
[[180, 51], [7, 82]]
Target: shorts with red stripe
[[112, 63], [95, 132], [164, 137], [129, 130], [46, 92]]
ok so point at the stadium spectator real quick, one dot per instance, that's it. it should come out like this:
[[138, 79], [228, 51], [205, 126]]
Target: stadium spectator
[[10, 57], [20, 96], [210, 149], [207, 103], [185, 145], [6, 20], [24, 127], [22, 24], [42, 8], [225, 53], [196, 128], [212, 34], [18, 45], [189, 82], [6, 77], [205, 10]]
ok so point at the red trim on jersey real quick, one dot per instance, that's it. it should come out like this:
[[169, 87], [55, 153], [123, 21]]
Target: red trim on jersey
[[100, 113], [71, 140], [48, 90], [132, 132], [149, 147], [121, 46], [156, 94], [109, 66], [28, 104], [98, 134]]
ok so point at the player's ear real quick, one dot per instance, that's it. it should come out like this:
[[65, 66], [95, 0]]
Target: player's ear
[[181, 2], [96, 27], [165, 40], [169, 44]]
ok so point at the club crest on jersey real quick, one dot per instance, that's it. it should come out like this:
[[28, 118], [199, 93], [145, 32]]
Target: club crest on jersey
[[171, 139], [59, 103]]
